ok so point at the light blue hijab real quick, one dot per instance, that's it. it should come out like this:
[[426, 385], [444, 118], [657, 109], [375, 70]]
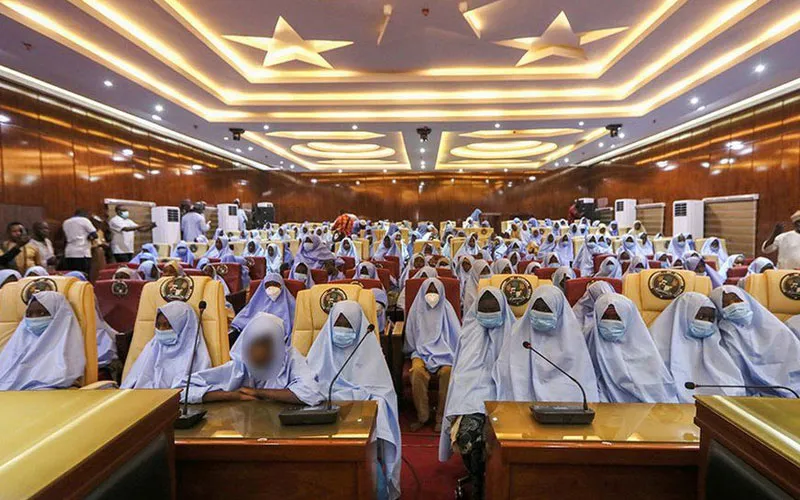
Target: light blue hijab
[[676, 248], [365, 378], [149, 252], [146, 269], [637, 264], [548, 245], [690, 263], [258, 252], [470, 287], [584, 308], [564, 250], [308, 280], [214, 253], [630, 245], [288, 370], [560, 277], [627, 364], [432, 332], [273, 262], [348, 253], [53, 360], [552, 259], [316, 255], [8, 273], [610, 268], [36, 271], [162, 366], [283, 306], [394, 250], [521, 375], [182, 252], [692, 359], [720, 253], [372, 271], [584, 260]]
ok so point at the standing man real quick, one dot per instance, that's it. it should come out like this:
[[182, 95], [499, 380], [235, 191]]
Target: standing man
[[41, 240], [122, 228], [787, 244], [241, 214], [193, 224], [79, 233], [21, 256]]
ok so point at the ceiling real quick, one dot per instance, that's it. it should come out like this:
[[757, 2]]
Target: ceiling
[[323, 86]]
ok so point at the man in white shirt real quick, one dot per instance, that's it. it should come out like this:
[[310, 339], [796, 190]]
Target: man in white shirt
[[79, 232], [193, 224], [787, 244], [122, 228]]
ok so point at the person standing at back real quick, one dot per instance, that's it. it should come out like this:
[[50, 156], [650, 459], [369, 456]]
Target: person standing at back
[[122, 228], [787, 244], [20, 253], [193, 224], [41, 240], [79, 233], [241, 214]]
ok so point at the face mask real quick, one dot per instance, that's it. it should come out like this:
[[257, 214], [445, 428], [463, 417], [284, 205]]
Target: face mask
[[700, 329], [166, 337], [543, 321], [343, 336], [273, 292], [490, 319], [611, 329], [591, 246], [308, 246], [739, 312], [38, 325], [124, 214], [300, 277], [181, 251], [432, 299]]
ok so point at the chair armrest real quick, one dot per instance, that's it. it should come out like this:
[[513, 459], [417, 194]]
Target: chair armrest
[[99, 385], [397, 330]]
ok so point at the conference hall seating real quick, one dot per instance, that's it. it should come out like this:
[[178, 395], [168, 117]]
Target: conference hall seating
[[652, 290]]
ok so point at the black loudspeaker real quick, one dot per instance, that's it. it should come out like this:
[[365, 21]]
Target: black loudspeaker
[[263, 213]]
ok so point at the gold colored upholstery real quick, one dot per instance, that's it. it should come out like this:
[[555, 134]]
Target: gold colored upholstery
[[163, 249], [661, 244], [637, 288], [200, 249], [215, 322], [309, 317], [358, 244], [80, 296], [238, 247], [498, 280], [766, 289], [419, 245], [456, 243]]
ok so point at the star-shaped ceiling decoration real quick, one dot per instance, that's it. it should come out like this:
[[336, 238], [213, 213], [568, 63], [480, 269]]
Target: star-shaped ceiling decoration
[[286, 45], [558, 40]]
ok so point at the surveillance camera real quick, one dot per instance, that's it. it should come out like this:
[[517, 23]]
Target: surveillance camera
[[613, 129], [424, 132], [237, 133]]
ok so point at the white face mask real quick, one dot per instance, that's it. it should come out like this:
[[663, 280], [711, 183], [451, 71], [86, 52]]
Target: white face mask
[[432, 299], [308, 246], [273, 292], [124, 214]]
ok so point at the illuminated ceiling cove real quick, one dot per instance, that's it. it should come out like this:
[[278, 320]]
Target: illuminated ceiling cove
[[344, 86]]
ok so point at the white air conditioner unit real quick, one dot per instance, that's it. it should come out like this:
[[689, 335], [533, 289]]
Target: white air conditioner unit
[[168, 225], [687, 218], [625, 212], [228, 217]]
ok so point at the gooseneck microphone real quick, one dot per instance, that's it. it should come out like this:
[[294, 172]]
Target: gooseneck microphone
[[561, 414], [691, 386], [188, 419]]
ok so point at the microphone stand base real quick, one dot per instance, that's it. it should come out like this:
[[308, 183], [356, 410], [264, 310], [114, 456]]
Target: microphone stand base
[[309, 415], [562, 414], [190, 419]]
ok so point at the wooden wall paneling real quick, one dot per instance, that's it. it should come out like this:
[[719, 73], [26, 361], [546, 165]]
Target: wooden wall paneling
[[58, 167]]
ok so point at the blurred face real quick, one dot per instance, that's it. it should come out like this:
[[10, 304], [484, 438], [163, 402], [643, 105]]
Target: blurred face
[[302, 269], [170, 271], [485, 271], [41, 229], [260, 352], [729, 298], [541, 306], [15, 232], [342, 322], [706, 313], [271, 251], [419, 262], [796, 225], [8, 280], [36, 310], [218, 245], [466, 266], [162, 323], [251, 247], [346, 245], [488, 303], [432, 289], [611, 313], [330, 267], [208, 270]]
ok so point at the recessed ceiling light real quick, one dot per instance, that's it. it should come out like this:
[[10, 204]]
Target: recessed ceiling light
[[384, 170], [716, 172], [557, 164], [422, 166], [281, 162], [452, 180], [339, 171], [622, 135], [249, 148], [566, 160], [705, 164], [154, 172], [760, 68], [694, 100], [422, 150], [600, 145], [159, 108], [662, 163], [460, 170], [108, 83], [313, 181], [487, 181], [613, 146], [197, 167], [394, 181], [580, 124], [188, 172], [291, 166], [670, 167], [127, 152], [510, 183], [505, 170], [139, 176], [225, 138], [266, 127], [358, 183], [238, 150], [118, 158], [354, 127], [735, 145], [496, 125], [156, 118], [532, 178], [4, 119], [701, 108]]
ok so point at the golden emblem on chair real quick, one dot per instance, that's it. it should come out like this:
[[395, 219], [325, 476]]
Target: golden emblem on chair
[[790, 286], [193, 248], [177, 288], [517, 291], [119, 288], [666, 285], [222, 269], [36, 286], [249, 262], [331, 297]]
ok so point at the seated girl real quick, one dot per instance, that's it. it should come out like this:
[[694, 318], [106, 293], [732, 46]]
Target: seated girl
[[253, 249], [9, 276], [219, 249], [165, 358], [262, 366], [271, 297], [609, 268], [348, 249], [273, 257], [480, 269], [301, 272], [184, 253], [149, 252], [314, 252], [584, 308], [46, 349], [561, 276], [502, 266], [172, 269], [148, 271]]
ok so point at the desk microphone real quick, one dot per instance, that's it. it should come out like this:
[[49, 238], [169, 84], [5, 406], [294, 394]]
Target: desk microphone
[[189, 418], [326, 413], [562, 414], [692, 386]]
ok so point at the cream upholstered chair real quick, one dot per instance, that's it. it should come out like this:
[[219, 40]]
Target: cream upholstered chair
[[652, 290], [419, 245], [198, 249], [776, 289], [517, 288]]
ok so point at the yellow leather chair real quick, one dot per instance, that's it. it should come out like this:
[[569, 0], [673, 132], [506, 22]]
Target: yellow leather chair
[[358, 244], [80, 296], [362, 246], [455, 244], [484, 233], [294, 246], [661, 244], [577, 243], [652, 290], [198, 249], [404, 234], [443, 225], [310, 317], [778, 290], [164, 249], [419, 245], [513, 287], [238, 247], [192, 290]]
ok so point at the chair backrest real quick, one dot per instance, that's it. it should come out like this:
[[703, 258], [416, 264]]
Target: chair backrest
[[237, 247], [577, 242], [699, 242], [451, 290], [358, 244], [119, 301], [319, 276], [314, 304], [164, 249], [192, 290], [518, 289], [14, 298], [546, 273], [737, 272], [349, 262], [419, 245], [231, 273], [456, 243], [598, 259], [294, 286], [776, 289], [384, 275], [522, 265], [577, 287], [652, 290], [362, 247], [198, 249], [661, 244], [391, 263], [256, 266], [362, 282]]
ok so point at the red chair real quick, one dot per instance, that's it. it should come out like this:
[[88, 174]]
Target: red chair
[[737, 272], [392, 265], [232, 274], [319, 276], [546, 273], [257, 267], [732, 281], [577, 287], [444, 272], [193, 272], [655, 264], [293, 286], [598, 259], [349, 262], [114, 265], [711, 264], [364, 282], [384, 276], [119, 302]]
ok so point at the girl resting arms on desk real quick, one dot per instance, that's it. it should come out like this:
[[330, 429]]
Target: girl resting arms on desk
[[262, 366]]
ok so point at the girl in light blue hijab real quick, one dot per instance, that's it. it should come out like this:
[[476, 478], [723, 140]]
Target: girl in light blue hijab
[[629, 245], [552, 259], [732, 261], [387, 247], [9, 276], [638, 264], [713, 247], [626, 361], [148, 271], [301, 272], [502, 266], [698, 265], [36, 271], [106, 335], [548, 245], [219, 249], [149, 252], [532, 267], [766, 351], [165, 358], [183, 253], [46, 349], [690, 344], [365, 377], [584, 308], [645, 245], [273, 258], [584, 260], [253, 249], [561, 276], [480, 269], [610, 268], [552, 328], [565, 250], [678, 246], [759, 265], [271, 297], [262, 366], [348, 249]]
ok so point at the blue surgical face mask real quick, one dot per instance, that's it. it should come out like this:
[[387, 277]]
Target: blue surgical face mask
[[166, 337], [308, 246], [490, 319], [543, 321], [739, 313], [611, 329], [343, 336], [700, 329], [591, 245], [124, 214], [38, 325]]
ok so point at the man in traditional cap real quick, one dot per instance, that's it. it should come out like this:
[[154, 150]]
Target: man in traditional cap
[[787, 244]]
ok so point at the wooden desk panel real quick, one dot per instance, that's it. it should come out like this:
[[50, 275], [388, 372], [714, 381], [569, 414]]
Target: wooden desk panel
[[242, 451], [634, 450]]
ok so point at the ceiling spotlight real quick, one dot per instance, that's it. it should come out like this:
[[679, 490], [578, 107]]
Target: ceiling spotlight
[[422, 150], [394, 181], [505, 170], [662, 163], [532, 178], [460, 170], [291, 166], [266, 127], [705, 164], [108, 83], [358, 183], [313, 181], [127, 152], [159, 108], [354, 127], [613, 129], [566, 161], [154, 172], [225, 138], [486, 181], [716, 172], [735, 145], [339, 171], [452, 180], [613, 146], [156, 118], [760, 68], [496, 125], [118, 158], [422, 166], [249, 148], [238, 150], [197, 167], [137, 175], [385, 170], [600, 145], [510, 183], [281, 162], [4, 119], [236, 133], [670, 167], [423, 133], [580, 124], [694, 100], [701, 108], [558, 164]]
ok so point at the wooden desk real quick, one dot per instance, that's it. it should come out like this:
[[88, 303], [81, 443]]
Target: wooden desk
[[82, 443], [630, 451], [242, 451], [749, 447]]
